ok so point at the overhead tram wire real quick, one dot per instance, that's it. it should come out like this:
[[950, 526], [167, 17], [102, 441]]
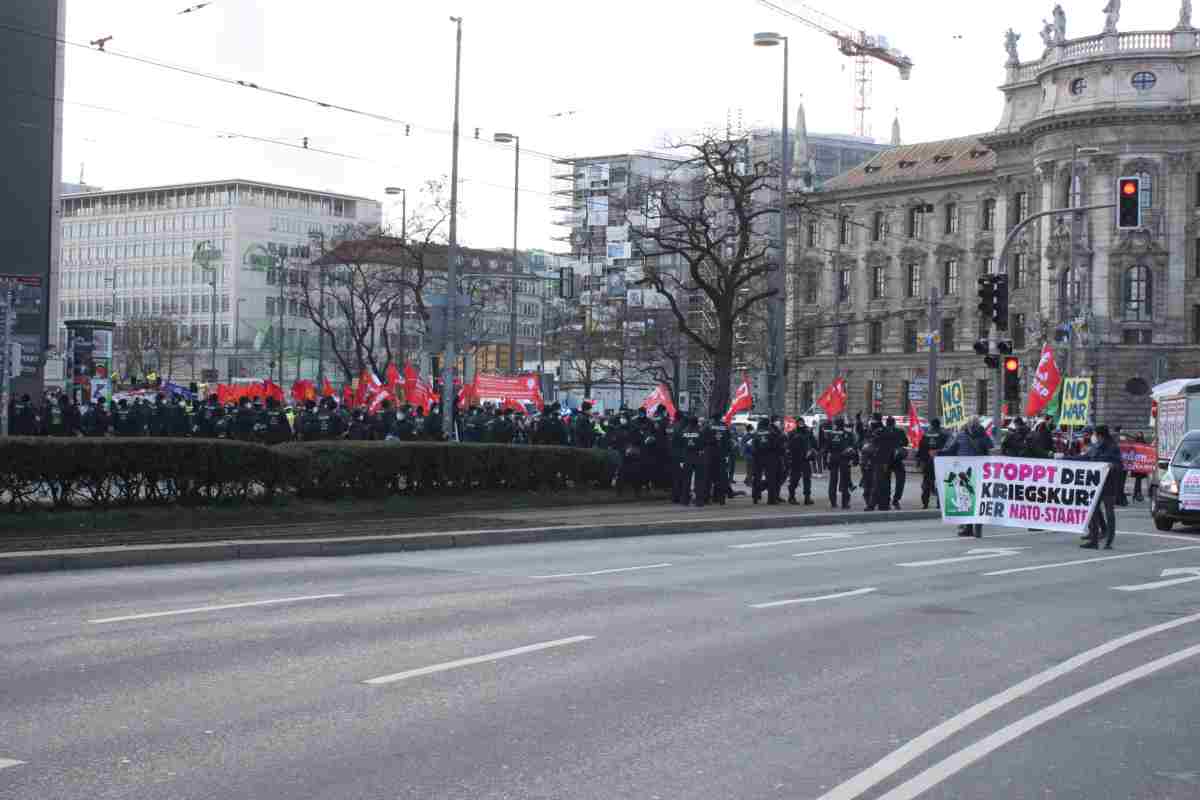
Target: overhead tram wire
[[241, 84], [230, 134]]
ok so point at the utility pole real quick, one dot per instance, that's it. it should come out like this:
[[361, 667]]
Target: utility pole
[[281, 273], [451, 355], [935, 330]]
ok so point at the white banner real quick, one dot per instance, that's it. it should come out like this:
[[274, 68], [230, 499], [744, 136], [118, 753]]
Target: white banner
[[1019, 492]]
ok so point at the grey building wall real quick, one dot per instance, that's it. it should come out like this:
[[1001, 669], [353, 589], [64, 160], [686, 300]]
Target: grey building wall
[[31, 141]]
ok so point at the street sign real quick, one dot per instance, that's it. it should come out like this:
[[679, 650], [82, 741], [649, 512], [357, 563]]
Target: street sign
[[918, 389]]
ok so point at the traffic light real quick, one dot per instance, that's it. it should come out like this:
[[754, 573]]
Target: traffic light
[[1012, 380], [1000, 302], [1129, 202], [986, 298]]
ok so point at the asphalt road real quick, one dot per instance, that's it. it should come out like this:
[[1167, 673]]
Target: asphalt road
[[907, 663]]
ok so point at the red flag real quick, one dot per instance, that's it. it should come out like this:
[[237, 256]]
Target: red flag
[[393, 376], [833, 399], [304, 390], [347, 396], [660, 396], [915, 435], [327, 389], [743, 400], [417, 390], [1045, 383]]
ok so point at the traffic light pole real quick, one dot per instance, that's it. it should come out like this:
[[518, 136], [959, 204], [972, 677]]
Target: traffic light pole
[[1003, 270], [934, 396]]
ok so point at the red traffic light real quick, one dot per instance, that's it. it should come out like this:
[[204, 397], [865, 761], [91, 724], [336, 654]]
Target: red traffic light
[[1011, 364], [1129, 188]]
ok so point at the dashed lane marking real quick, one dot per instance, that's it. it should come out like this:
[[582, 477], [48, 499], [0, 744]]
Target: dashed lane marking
[[796, 600], [601, 571], [1079, 561], [9, 762], [224, 607], [466, 662]]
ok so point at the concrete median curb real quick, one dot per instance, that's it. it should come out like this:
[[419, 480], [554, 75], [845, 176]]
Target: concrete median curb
[[191, 553]]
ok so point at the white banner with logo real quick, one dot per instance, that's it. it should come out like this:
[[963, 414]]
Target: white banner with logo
[[1019, 492]]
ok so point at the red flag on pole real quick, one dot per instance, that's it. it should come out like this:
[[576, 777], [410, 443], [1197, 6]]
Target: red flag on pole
[[327, 389], [915, 435], [660, 396], [833, 399], [1045, 383], [393, 375], [743, 400]]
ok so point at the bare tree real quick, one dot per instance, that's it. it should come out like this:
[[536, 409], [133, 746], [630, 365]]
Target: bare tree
[[586, 342], [146, 343], [708, 209], [662, 350]]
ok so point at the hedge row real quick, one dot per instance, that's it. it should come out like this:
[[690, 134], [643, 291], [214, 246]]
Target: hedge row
[[100, 473]]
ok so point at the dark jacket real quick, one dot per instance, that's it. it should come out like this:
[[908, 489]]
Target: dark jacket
[[969, 443], [1107, 450]]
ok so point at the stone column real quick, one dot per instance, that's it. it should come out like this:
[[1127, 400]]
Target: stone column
[[1045, 227], [1176, 176], [1101, 188]]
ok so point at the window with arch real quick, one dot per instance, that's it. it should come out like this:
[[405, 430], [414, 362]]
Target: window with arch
[[1137, 293], [1146, 181]]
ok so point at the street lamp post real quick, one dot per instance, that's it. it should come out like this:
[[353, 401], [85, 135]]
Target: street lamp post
[[450, 358], [237, 339], [205, 254], [505, 138], [777, 279], [281, 275], [299, 352], [393, 190]]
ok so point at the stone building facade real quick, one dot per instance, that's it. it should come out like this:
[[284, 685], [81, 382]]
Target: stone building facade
[[937, 214]]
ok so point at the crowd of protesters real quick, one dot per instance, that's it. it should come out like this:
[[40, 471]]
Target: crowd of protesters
[[693, 458]]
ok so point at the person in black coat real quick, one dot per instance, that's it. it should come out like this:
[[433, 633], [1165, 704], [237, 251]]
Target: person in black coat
[[1104, 448], [800, 447], [767, 447]]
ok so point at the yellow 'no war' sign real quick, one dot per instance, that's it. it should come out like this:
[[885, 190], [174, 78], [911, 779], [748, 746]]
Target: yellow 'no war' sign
[[1076, 402], [953, 413]]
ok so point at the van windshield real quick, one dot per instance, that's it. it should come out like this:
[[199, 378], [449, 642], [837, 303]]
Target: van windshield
[[1188, 454]]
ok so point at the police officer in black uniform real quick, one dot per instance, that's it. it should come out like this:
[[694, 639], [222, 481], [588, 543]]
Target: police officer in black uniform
[[718, 465], [931, 444], [885, 440], [679, 487], [693, 461], [330, 424], [126, 423], [273, 425], [899, 476], [838, 447], [582, 433], [800, 447], [768, 447], [177, 418]]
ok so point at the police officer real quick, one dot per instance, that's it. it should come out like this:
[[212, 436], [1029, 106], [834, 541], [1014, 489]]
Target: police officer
[[94, 421], [582, 433], [330, 424], [800, 447], [24, 417], [886, 444], [680, 492], [550, 428], [718, 465], [274, 425], [60, 418], [360, 427], [432, 429], [158, 417], [899, 475], [838, 448], [177, 418], [768, 448], [243, 420], [931, 444], [126, 420], [403, 428], [693, 462], [500, 429]]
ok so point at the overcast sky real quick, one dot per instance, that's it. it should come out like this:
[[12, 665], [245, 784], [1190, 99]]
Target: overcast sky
[[632, 71]]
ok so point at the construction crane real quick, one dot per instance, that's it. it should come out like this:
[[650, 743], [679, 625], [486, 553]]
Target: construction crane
[[862, 48]]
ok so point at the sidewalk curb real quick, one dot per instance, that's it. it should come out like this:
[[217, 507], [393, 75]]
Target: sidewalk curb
[[192, 553]]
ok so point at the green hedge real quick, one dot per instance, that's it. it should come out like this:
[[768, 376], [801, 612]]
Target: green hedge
[[100, 473]]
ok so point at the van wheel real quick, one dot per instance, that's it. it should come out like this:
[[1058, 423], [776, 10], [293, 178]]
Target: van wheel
[[1164, 523]]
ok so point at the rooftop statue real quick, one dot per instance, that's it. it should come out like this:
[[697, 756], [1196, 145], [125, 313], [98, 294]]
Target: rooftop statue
[[1010, 45], [1047, 34], [1112, 13], [1185, 14], [1060, 24]]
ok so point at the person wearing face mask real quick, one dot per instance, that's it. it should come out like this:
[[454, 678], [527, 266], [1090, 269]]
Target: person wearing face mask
[[838, 446], [403, 429], [1104, 521]]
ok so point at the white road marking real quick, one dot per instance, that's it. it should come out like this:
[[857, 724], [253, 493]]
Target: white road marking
[[867, 590], [812, 537], [601, 571], [1192, 573], [1158, 535], [9, 762], [973, 554], [466, 662], [202, 609], [1077, 562], [896, 544], [900, 757], [969, 755]]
